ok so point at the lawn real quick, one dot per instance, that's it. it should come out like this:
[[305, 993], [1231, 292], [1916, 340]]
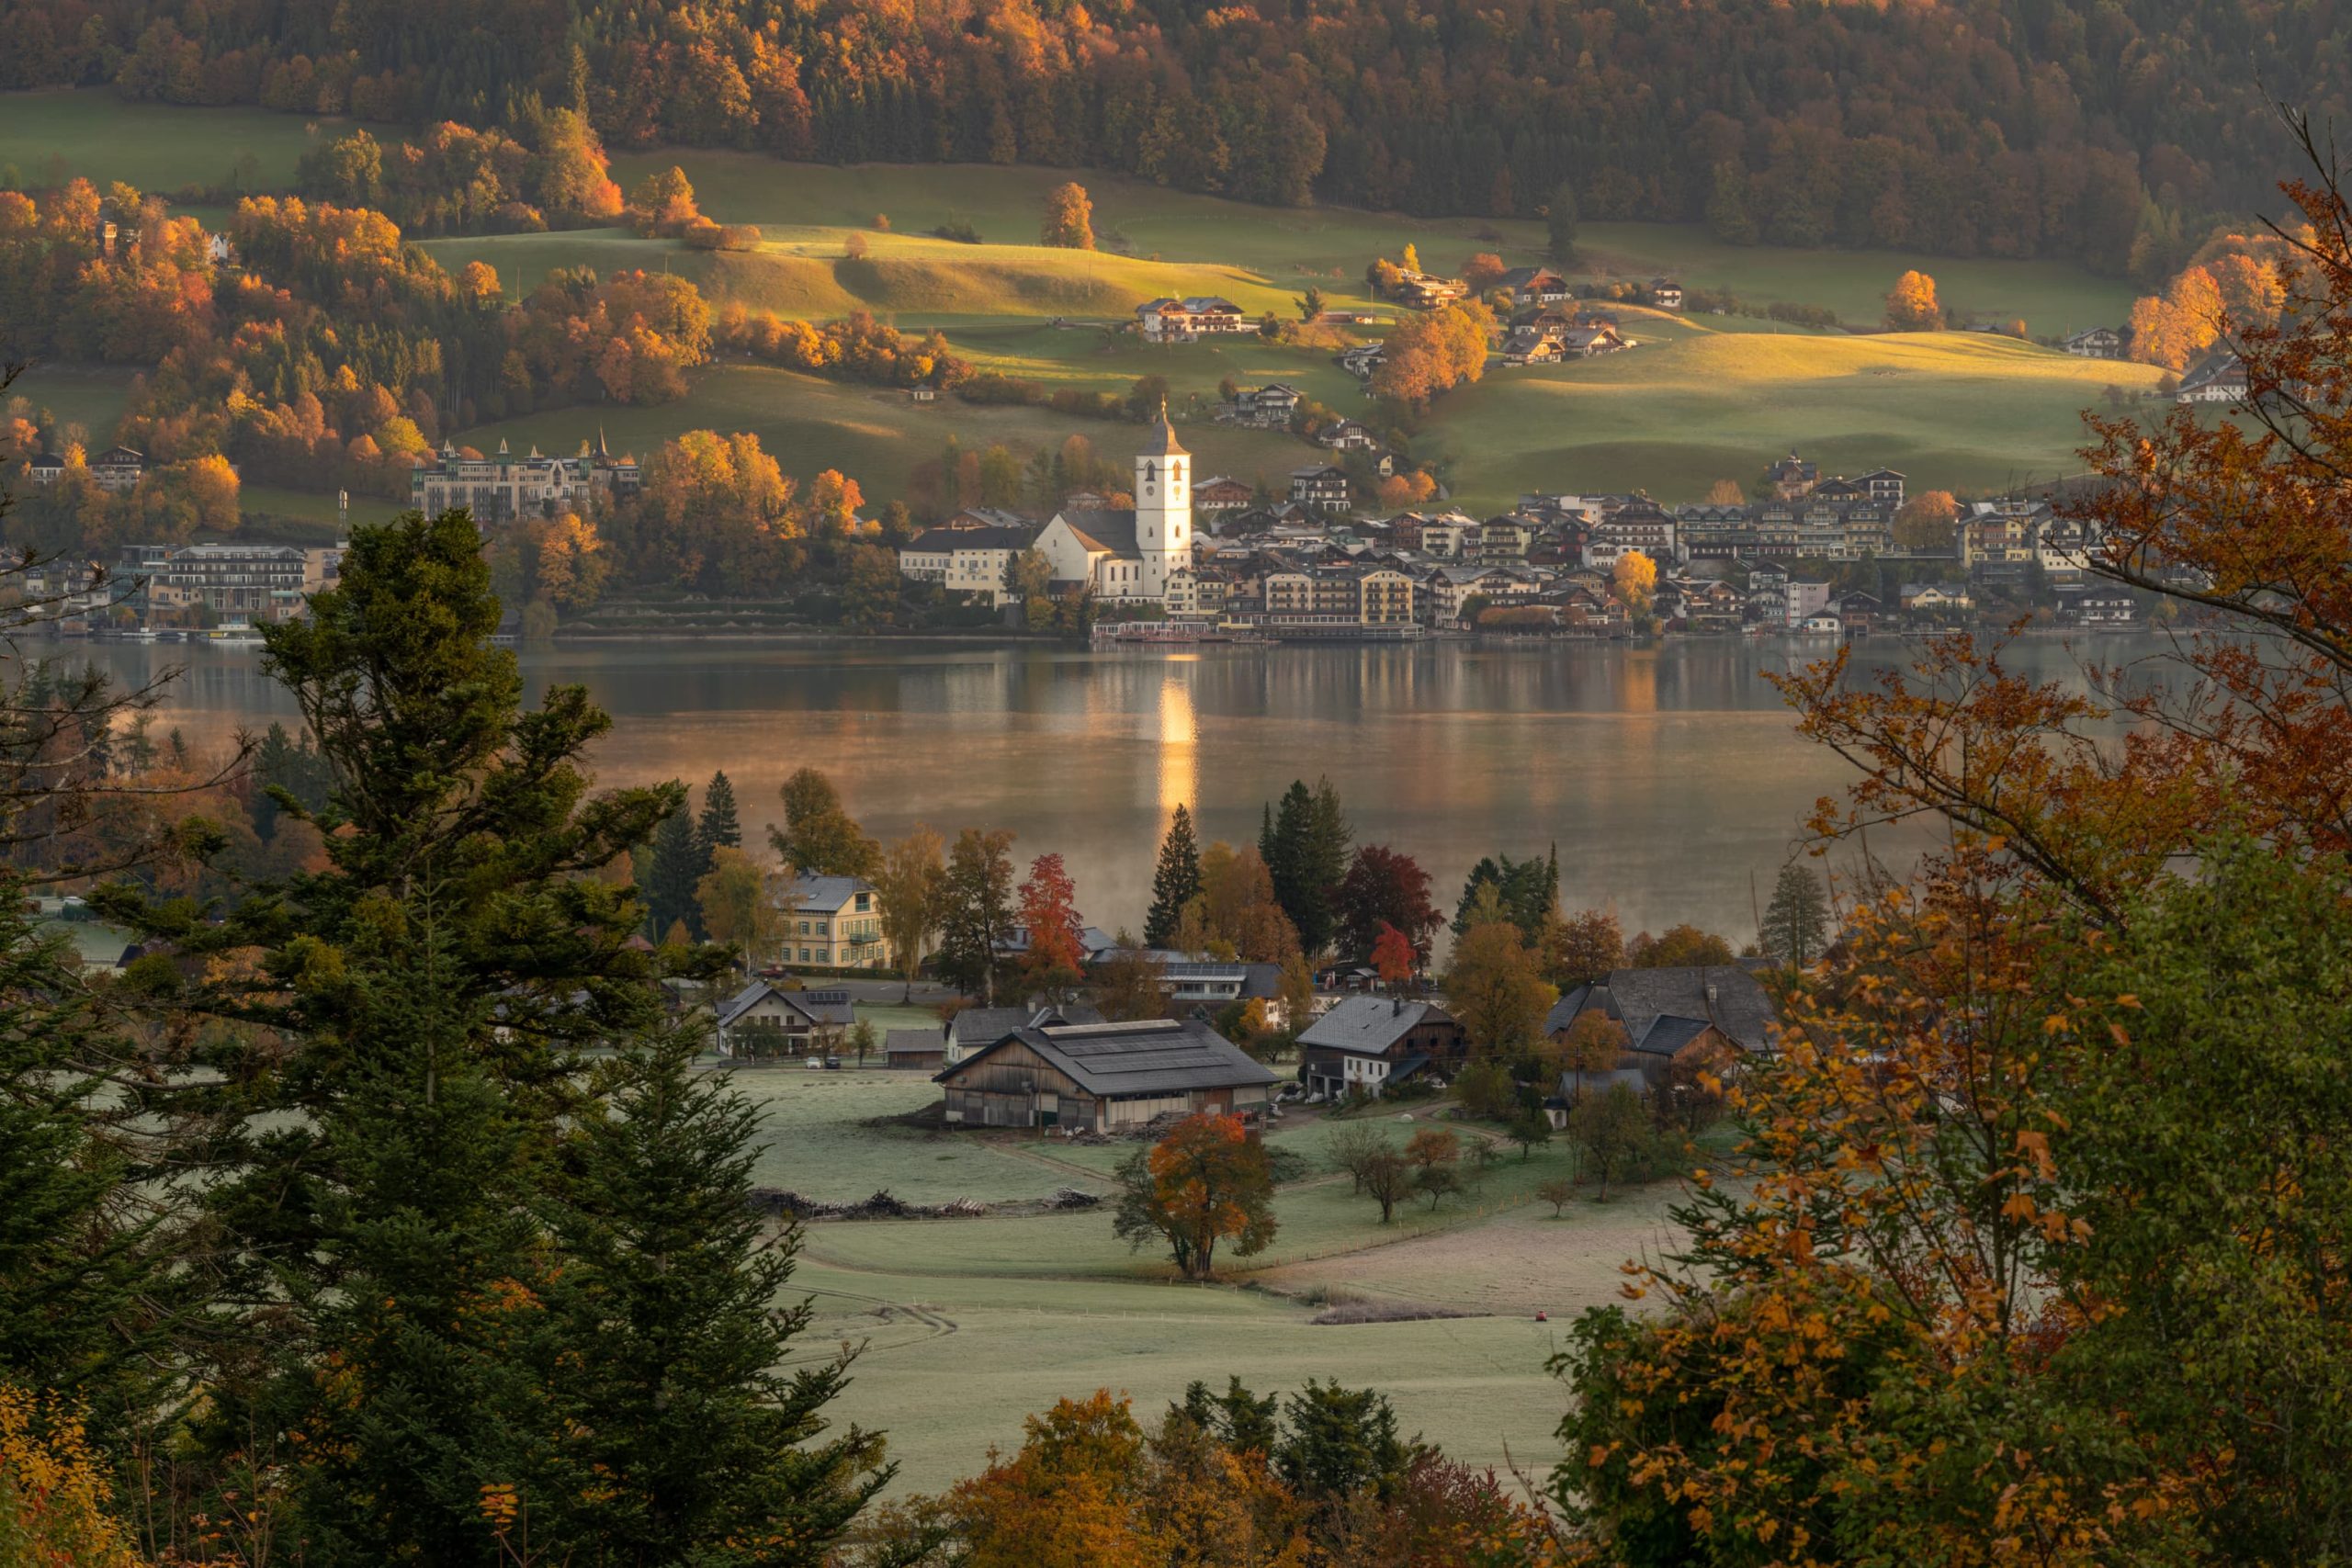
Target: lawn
[[875, 434], [816, 1142], [1010, 1312], [156, 147], [1955, 410], [948, 1385], [86, 400]]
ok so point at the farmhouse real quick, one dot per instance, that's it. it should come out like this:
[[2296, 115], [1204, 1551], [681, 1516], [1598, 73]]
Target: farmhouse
[[1098, 1077], [1268, 406], [1533, 346], [1223, 493], [2097, 343], [975, 1029], [1540, 285], [765, 1018], [1585, 342], [1188, 319], [1666, 294], [1369, 1042], [2220, 378], [45, 468], [1677, 1021], [1425, 291], [1347, 435]]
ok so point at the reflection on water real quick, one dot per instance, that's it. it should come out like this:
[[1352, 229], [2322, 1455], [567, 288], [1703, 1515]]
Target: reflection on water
[[1665, 775]]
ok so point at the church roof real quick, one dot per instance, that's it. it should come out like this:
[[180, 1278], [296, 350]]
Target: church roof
[[1160, 441], [1112, 531]]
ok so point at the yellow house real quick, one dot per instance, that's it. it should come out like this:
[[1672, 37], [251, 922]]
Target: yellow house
[[833, 920]]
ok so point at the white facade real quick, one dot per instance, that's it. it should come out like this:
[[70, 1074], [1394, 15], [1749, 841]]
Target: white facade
[[1139, 557]]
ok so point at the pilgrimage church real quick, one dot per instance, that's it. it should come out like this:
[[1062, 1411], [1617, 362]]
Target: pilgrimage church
[[1139, 557]]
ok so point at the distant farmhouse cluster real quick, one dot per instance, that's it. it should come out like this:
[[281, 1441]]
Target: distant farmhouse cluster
[[1304, 565]]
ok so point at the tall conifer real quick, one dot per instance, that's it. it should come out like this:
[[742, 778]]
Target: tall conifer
[[1176, 881]]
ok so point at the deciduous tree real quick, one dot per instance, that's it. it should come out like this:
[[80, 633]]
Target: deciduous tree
[[1494, 987], [1070, 217], [1206, 1183], [1911, 305], [907, 894]]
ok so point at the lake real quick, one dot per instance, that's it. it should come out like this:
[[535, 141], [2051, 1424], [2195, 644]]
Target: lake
[[1667, 774]]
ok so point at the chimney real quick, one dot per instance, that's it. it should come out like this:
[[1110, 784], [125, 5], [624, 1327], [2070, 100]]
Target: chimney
[[1396, 1007], [1711, 993]]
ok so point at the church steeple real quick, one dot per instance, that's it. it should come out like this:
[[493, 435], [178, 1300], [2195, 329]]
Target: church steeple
[[1163, 505]]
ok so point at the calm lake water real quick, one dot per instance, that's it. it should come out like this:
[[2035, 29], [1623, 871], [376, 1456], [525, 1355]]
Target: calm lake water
[[1667, 775]]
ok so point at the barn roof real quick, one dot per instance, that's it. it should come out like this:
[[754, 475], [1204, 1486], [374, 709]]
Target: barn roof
[[1151, 1056]]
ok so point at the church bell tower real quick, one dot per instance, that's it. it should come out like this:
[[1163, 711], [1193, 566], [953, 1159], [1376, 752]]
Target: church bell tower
[[1163, 506]]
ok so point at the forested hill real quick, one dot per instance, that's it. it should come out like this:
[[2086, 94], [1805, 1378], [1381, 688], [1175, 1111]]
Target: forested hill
[[2108, 129]]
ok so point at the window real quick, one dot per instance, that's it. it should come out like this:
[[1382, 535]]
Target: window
[[864, 902], [804, 929]]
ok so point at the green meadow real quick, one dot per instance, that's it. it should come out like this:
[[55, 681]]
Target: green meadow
[[967, 1324], [1702, 398]]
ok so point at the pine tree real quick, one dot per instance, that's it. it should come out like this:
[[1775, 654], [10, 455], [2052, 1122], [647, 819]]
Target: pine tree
[[716, 828], [685, 1403], [670, 885], [1797, 922], [1176, 881]]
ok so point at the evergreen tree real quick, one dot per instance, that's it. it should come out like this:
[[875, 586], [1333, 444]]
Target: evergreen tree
[[1797, 922], [716, 828], [399, 1060], [1176, 881], [1308, 837], [88, 1281], [678, 867], [685, 1402], [1560, 223]]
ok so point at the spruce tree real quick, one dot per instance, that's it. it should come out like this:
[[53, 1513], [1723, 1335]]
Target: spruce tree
[[88, 1283], [670, 882], [1328, 836], [716, 828], [685, 1297], [1176, 881], [1797, 922], [402, 1061], [1288, 855]]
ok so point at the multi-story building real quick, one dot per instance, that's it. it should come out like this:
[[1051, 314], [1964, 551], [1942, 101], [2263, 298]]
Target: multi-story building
[[974, 558], [496, 488], [229, 581], [831, 920], [117, 468]]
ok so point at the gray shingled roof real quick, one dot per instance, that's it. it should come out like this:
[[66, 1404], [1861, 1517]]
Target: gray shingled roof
[[911, 1042], [975, 1027], [1112, 531], [825, 1008], [823, 895], [1664, 1010], [1154, 1056], [1368, 1025], [941, 540]]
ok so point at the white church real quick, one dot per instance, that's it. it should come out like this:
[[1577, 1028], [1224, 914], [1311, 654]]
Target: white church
[[1139, 557]]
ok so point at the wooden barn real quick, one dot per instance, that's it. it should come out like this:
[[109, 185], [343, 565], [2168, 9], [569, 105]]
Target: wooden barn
[[1101, 1075]]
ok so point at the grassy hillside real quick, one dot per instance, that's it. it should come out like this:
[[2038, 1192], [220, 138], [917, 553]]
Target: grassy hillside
[[874, 435], [1703, 399], [153, 146], [1690, 406]]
